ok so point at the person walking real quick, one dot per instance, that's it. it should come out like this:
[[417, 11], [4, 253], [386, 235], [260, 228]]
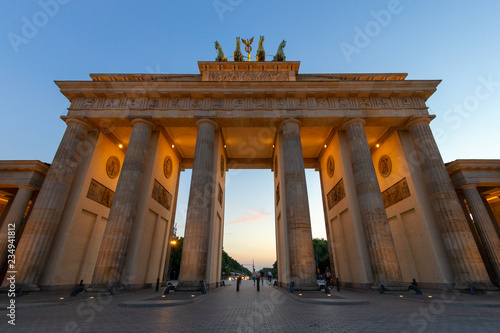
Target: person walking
[[254, 276]]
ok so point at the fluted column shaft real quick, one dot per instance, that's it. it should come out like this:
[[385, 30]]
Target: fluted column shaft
[[43, 222], [123, 208], [484, 225], [384, 261], [14, 217], [6, 209], [298, 220], [463, 253], [199, 213]]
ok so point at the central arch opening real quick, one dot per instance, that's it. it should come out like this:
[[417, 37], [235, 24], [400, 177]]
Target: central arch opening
[[250, 222], [249, 230]]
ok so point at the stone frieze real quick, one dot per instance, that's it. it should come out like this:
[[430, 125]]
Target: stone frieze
[[311, 103]]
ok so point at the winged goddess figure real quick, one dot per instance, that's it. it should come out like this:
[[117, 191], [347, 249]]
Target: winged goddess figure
[[248, 48]]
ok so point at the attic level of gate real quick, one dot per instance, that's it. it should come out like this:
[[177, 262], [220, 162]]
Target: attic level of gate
[[248, 101], [248, 71]]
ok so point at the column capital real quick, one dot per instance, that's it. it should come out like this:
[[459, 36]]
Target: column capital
[[417, 120], [29, 187], [463, 187], [144, 121], [206, 120], [353, 121], [290, 120], [83, 122]]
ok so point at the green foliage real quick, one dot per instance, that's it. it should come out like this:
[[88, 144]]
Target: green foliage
[[175, 257], [321, 254], [274, 270], [230, 265]]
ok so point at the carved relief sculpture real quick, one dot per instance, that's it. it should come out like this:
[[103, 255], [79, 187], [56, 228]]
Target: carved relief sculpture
[[113, 167], [100, 193], [384, 166], [167, 167], [396, 193], [336, 194], [161, 195], [330, 166]]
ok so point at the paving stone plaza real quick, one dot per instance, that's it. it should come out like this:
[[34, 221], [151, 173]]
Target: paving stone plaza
[[269, 310]]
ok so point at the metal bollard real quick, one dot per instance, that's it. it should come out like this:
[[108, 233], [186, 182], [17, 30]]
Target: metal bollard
[[258, 286], [381, 289], [157, 285], [203, 288], [238, 281]]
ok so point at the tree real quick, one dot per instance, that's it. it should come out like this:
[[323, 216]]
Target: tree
[[175, 258], [321, 254], [229, 265]]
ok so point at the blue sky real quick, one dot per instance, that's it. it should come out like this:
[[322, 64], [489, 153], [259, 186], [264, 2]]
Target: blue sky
[[455, 41]]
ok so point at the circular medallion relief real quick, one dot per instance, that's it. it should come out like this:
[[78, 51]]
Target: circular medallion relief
[[167, 167], [384, 166], [113, 167], [222, 166], [330, 166]]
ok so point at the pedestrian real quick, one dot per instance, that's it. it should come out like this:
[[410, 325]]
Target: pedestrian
[[328, 274], [254, 276], [270, 276]]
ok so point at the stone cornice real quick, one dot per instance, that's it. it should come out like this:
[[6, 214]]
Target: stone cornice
[[24, 165], [472, 165], [422, 89]]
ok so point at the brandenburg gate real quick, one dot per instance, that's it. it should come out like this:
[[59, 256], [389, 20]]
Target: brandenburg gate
[[105, 211]]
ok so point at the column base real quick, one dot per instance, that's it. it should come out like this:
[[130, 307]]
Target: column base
[[390, 286], [313, 286], [33, 287], [466, 286], [103, 288], [188, 286]]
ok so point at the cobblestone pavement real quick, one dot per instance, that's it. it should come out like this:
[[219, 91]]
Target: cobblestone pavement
[[270, 310]]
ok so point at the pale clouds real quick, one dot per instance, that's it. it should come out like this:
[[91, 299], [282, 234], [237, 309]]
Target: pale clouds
[[252, 215]]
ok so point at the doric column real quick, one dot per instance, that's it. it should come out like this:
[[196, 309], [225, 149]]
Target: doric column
[[464, 256], [43, 222], [123, 209], [298, 220], [384, 260], [484, 226], [199, 213], [6, 209], [14, 217]]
